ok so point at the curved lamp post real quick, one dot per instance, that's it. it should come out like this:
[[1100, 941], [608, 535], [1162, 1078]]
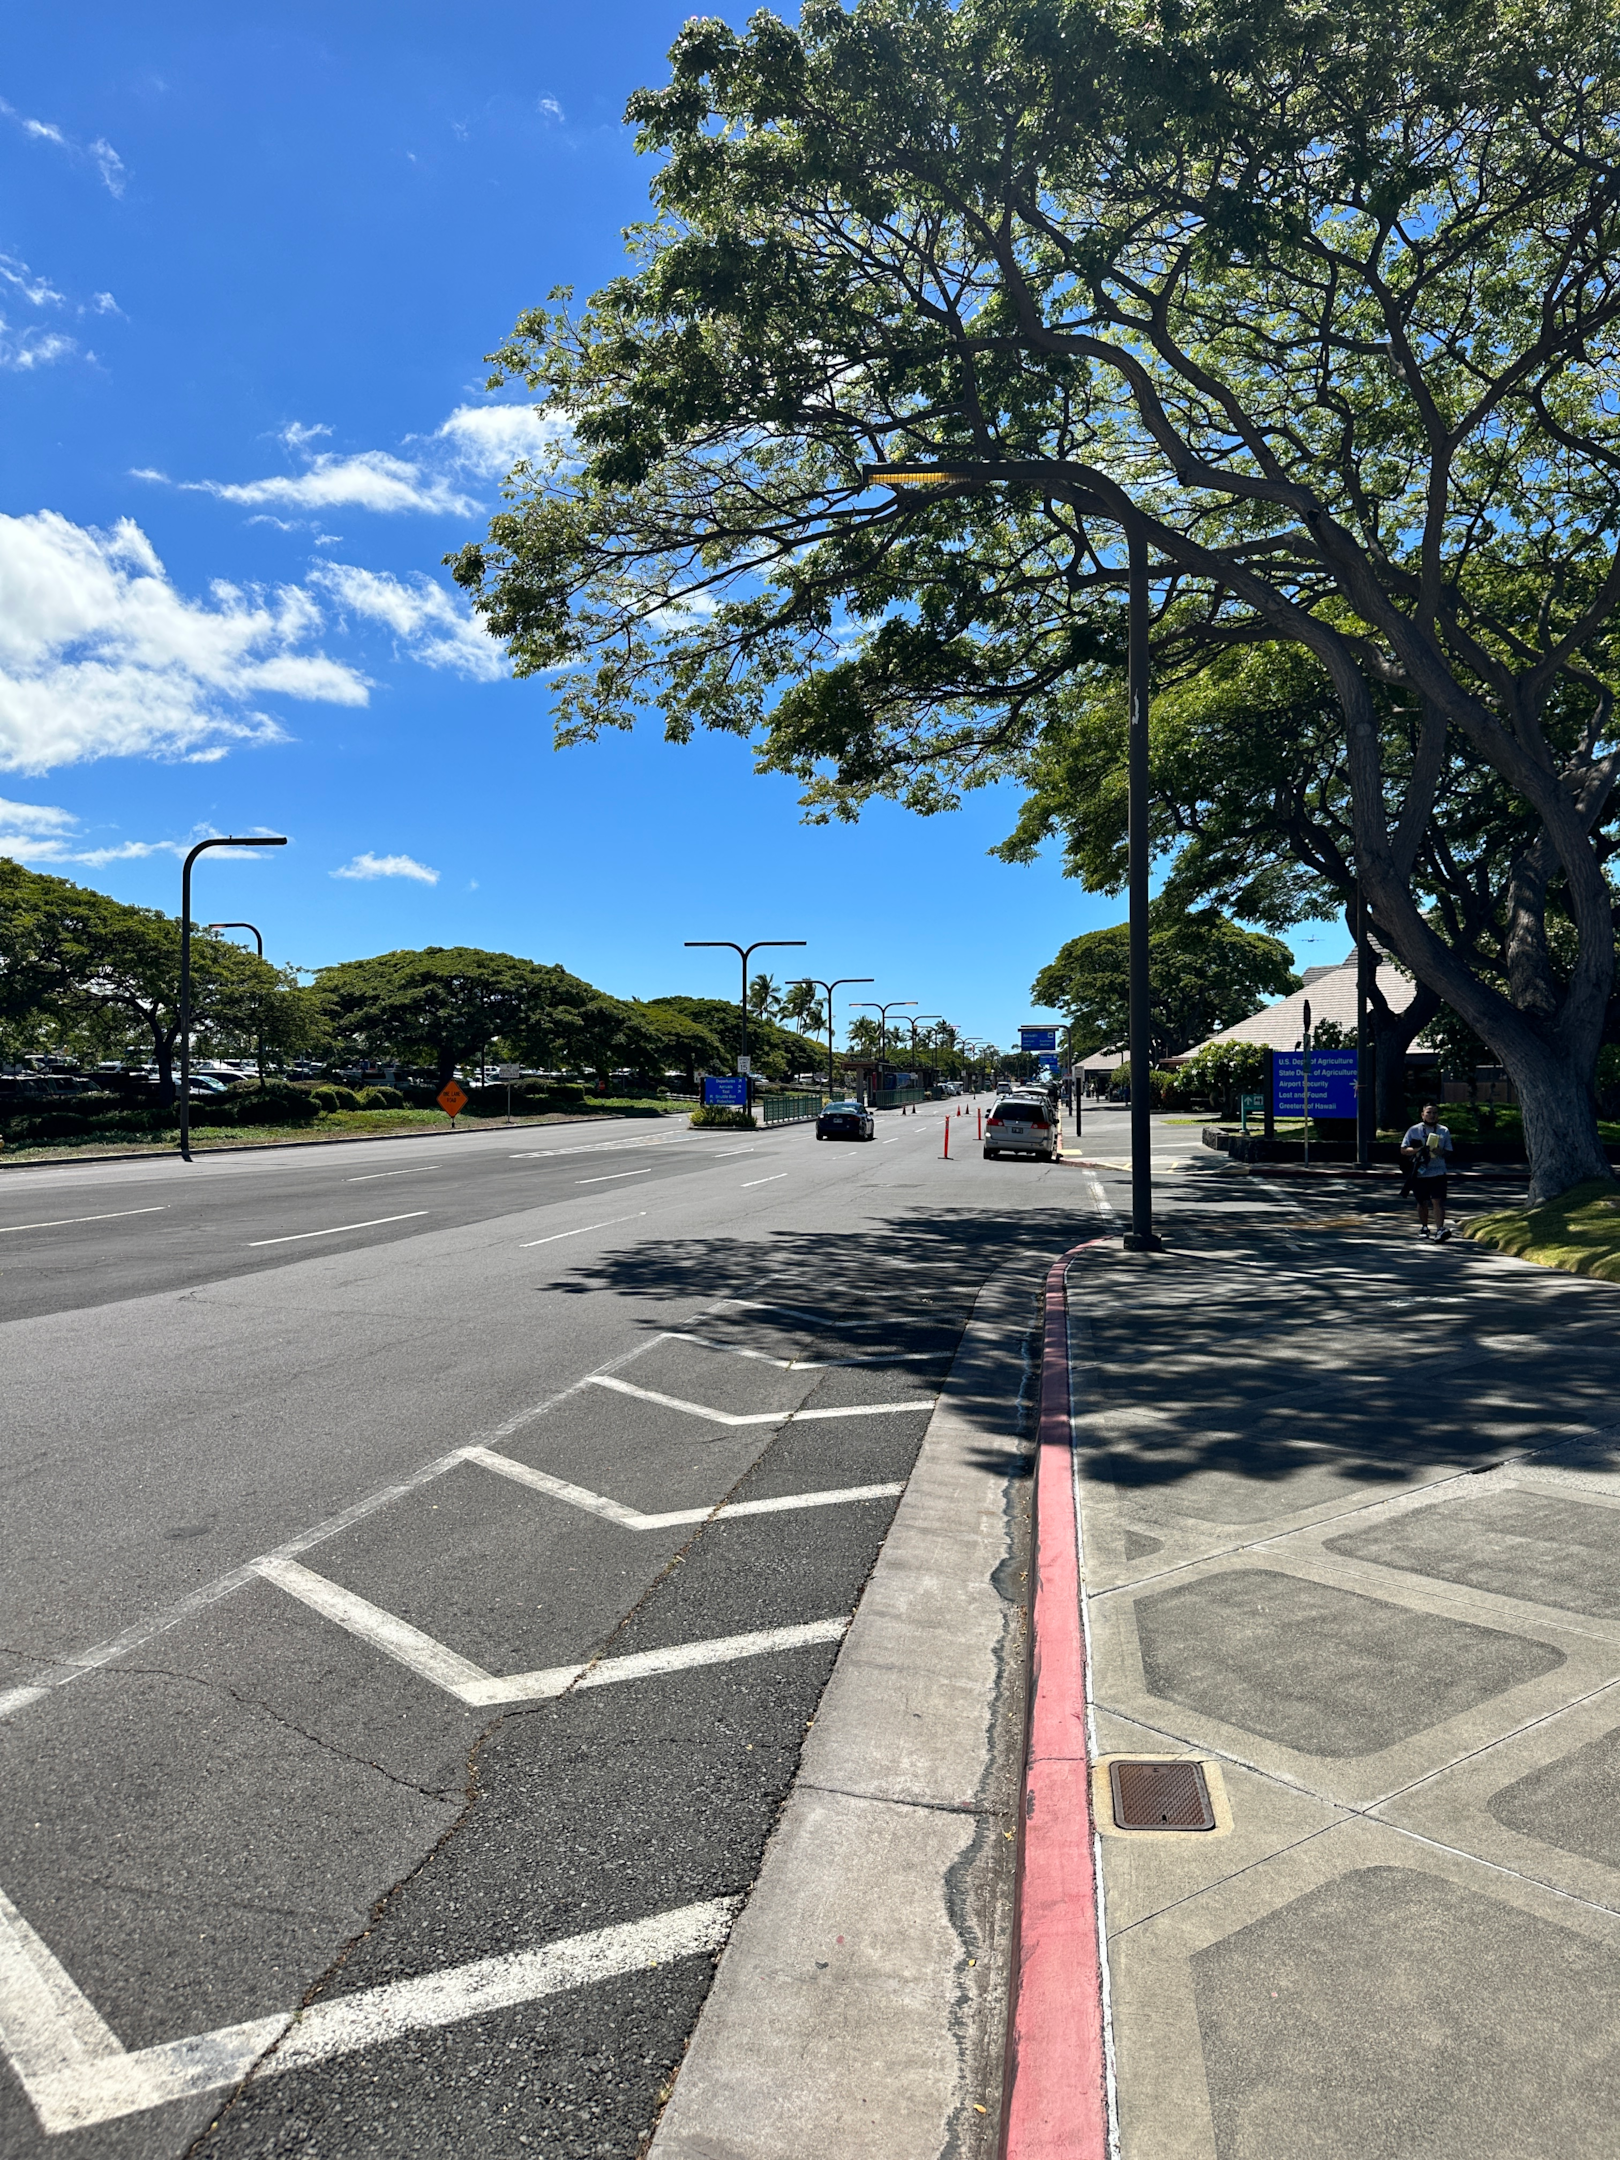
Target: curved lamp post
[[883, 1011], [816, 983], [730, 945], [258, 940], [222, 840]]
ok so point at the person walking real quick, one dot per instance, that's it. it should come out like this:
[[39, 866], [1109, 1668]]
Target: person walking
[[1426, 1149]]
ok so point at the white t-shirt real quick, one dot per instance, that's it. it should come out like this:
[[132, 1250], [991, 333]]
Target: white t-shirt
[[1433, 1145]]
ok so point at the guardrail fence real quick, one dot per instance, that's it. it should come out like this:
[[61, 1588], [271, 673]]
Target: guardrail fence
[[790, 1109]]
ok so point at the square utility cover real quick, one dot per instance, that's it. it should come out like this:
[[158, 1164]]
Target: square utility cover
[[1160, 1796]]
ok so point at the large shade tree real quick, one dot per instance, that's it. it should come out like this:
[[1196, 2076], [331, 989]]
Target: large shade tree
[[78, 964], [1319, 307], [1207, 973]]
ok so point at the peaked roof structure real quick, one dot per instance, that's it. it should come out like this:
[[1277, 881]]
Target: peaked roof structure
[[1331, 993]]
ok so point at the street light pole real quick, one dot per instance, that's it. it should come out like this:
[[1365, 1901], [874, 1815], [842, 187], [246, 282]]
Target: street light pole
[[883, 1012], [817, 984], [1140, 1237], [258, 939], [223, 840], [758, 945], [912, 1021]]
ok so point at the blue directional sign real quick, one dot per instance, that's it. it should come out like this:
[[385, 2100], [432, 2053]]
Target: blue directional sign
[[1052, 1065], [725, 1094], [1037, 1038], [1333, 1083]]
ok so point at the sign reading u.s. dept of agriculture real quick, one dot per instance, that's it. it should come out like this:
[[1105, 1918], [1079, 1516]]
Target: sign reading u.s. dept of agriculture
[[725, 1094], [1333, 1083], [1037, 1038]]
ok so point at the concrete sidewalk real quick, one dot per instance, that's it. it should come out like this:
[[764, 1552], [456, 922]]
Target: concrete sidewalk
[[1351, 1529]]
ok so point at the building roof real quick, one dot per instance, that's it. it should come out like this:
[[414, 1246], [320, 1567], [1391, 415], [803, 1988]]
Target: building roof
[[1332, 995]]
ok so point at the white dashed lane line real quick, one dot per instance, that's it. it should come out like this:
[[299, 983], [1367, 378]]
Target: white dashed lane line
[[293, 1237], [580, 1232], [747, 1182], [609, 1176], [64, 1222]]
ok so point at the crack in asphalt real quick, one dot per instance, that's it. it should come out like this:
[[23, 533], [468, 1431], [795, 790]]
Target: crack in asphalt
[[278, 1717]]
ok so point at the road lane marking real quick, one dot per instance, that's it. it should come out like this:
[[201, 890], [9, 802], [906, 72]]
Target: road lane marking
[[368, 1176], [77, 2073], [64, 1222], [408, 1646], [800, 1364], [293, 1237], [580, 1232], [608, 1176], [749, 1183], [750, 1417], [629, 1518], [469, 1683]]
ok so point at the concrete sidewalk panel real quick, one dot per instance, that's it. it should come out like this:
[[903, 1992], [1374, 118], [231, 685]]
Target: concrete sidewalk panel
[[1318, 1669], [1144, 1877], [1541, 1802], [1366, 1996]]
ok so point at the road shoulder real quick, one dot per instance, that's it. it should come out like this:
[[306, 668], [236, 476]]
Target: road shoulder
[[859, 2007]]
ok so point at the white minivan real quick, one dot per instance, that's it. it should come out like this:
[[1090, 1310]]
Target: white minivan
[[1021, 1125]]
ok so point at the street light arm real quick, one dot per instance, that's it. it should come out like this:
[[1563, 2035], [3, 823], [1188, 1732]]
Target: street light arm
[[219, 840]]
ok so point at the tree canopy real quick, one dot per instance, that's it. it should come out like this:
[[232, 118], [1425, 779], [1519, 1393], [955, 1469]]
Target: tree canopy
[[1320, 309], [1208, 973], [76, 964]]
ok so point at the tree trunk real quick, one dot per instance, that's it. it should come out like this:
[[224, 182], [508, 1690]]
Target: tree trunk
[[445, 1071], [1393, 1035], [1560, 1122], [163, 1057]]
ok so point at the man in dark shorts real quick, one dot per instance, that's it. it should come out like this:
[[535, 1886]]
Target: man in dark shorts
[[1426, 1150]]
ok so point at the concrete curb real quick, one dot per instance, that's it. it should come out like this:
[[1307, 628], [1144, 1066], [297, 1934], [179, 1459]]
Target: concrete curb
[[1056, 2106], [859, 2007]]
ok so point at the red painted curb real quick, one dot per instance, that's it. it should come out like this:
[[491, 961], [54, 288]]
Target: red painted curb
[[1056, 2106]]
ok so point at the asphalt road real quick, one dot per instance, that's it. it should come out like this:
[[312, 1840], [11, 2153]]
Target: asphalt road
[[478, 1795]]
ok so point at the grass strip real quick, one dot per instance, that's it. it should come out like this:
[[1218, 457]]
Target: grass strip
[[333, 1126], [1578, 1232]]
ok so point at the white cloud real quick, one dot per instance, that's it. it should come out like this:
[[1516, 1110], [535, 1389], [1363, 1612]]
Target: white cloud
[[101, 154], [295, 434], [429, 622], [28, 348], [33, 346], [549, 109], [490, 439], [101, 655], [43, 833], [374, 866], [37, 291], [367, 480]]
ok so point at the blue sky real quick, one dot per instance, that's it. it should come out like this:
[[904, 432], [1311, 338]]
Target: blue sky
[[250, 262]]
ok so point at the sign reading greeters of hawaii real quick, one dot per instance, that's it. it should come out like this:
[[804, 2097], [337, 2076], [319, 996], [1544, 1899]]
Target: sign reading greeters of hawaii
[[725, 1094], [1037, 1038], [1333, 1083]]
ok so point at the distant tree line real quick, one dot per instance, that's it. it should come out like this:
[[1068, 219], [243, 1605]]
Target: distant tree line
[[98, 979]]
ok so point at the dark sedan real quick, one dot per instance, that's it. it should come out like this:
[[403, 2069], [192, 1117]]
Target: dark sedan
[[845, 1121]]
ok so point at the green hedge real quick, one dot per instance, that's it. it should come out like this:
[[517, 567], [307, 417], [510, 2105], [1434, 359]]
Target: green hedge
[[718, 1116], [278, 1102]]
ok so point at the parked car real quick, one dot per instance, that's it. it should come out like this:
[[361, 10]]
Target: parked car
[[1021, 1125], [846, 1121]]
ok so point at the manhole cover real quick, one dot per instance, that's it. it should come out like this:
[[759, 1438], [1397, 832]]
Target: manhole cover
[[1160, 1796]]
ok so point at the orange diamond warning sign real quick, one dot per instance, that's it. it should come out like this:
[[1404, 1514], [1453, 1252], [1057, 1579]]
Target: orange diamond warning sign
[[452, 1098]]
